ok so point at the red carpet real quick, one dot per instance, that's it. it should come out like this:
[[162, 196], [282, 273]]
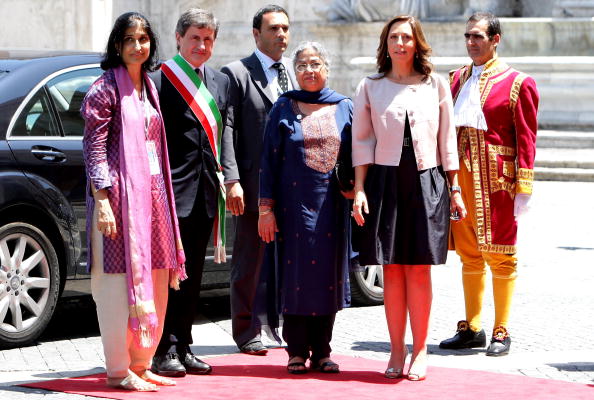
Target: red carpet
[[246, 377]]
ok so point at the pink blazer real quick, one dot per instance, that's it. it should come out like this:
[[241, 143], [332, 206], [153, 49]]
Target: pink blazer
[[379, 115]]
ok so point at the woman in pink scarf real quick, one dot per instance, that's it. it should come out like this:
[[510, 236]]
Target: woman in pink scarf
[[135, 251]]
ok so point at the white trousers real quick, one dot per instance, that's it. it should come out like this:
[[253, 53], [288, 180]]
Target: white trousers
[[110, 293]]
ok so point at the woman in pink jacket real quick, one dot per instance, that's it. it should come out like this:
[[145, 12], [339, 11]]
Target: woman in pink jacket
[[403, 140]]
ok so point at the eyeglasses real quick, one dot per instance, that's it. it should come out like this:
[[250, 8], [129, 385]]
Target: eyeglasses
[[314, 67], [474, 36]]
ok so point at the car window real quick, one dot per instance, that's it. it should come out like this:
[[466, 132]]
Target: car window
[[67, 91], [36, 118]]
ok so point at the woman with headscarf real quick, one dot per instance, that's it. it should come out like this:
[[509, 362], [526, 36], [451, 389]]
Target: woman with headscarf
[[303, 211]]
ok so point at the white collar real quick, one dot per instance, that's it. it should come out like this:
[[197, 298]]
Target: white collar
[[266, 60], [201, 68], [477, 70]]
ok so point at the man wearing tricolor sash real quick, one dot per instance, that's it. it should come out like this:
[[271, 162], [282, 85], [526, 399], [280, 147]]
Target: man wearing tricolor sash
[[193, 99], [495, 110]]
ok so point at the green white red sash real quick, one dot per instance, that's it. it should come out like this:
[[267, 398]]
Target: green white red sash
[[187, 82]]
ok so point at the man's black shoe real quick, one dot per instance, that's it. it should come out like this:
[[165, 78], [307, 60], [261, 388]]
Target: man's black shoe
[[500, 342], [465, 338], [194, 365], [168, 365], [254, 349]]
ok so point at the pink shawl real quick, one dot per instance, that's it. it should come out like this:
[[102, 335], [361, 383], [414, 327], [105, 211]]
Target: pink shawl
[[136, 203]]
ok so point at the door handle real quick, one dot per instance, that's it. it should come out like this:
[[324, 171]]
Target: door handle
[[48, 154]]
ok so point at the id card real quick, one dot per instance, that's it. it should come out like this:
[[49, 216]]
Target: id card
[[153, 159]]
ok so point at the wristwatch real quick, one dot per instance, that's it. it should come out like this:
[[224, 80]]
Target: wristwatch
[[455, 189]]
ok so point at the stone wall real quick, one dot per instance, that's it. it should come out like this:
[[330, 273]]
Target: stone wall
[[55, 24]]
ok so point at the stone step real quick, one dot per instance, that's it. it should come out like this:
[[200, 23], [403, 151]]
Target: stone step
[[564, 174], [565, 139], [564, 163], [564, 158]]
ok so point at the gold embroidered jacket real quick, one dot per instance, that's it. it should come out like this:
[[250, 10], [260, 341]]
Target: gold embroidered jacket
[[501, 158]]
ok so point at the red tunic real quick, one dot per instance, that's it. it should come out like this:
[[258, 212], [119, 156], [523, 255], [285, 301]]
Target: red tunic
[[501, 158]]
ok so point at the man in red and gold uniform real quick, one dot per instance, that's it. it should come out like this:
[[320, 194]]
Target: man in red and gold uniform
[[495, 110]]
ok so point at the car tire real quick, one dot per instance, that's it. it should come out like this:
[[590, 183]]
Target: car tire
[[367, 284], [29, 283]]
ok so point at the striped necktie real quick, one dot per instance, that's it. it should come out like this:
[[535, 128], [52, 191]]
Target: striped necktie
[[283, 82]]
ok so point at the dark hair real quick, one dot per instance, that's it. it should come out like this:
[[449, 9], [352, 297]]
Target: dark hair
[[421, 62], [112, 58], [257, 22], [199, 18], [493, 28]]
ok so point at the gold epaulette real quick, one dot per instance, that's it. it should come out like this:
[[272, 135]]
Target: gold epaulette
[[515, 90], [451, 75]]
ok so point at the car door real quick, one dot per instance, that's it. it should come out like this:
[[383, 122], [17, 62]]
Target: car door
[[46, 138]]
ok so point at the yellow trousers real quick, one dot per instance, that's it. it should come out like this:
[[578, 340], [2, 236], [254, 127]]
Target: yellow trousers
[[503, 266]]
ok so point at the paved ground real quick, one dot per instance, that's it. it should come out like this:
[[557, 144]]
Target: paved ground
[[552, 325]]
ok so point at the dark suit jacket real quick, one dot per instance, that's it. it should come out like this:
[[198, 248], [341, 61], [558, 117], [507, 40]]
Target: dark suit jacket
[[250, 101], [190, 155]]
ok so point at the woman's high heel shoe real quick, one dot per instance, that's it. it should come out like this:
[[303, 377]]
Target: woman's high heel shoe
[[417, 373], [393, 373], [396, 373]]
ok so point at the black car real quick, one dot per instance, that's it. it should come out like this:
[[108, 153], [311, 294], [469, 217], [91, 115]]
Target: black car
[[42, 193]]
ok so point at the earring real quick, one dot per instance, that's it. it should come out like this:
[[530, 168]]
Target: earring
[[387, 56]]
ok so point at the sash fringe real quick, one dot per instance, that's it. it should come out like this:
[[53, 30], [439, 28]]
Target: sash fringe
[[220, 256], [146, 337]]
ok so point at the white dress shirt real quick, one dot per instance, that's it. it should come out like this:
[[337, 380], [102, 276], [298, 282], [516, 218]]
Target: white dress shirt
[[467, 110], [272, 73]]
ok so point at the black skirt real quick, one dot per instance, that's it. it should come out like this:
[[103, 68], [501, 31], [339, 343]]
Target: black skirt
[[408, 220]]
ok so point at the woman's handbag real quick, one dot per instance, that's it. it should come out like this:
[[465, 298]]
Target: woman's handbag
[[343, 170]]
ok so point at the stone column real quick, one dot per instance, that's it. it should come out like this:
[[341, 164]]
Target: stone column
[[574, 8]]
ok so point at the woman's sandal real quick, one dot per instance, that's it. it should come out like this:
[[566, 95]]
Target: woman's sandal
[[327, 367], [393, 373], [158, 380], [132, 382], [294, 367], [416, 373], [397, 373]]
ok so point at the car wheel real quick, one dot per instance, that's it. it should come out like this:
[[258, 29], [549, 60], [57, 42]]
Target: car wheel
[[367, 284], [29, 283]]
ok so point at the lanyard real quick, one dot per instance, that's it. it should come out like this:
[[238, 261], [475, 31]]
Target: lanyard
[[147, 111]]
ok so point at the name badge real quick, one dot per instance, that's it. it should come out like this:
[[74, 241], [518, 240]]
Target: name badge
[[153, 159]]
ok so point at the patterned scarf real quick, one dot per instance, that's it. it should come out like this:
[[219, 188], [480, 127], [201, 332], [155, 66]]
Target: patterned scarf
[[136, 203]]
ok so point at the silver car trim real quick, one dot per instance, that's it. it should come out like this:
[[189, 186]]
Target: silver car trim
[[18, 111]]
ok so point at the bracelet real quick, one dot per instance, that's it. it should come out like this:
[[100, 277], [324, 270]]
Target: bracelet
[[455, 189], [265, 212]]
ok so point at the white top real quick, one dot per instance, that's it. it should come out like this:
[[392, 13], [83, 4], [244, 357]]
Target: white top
[[467, 110], [379, 119], [272, 73]]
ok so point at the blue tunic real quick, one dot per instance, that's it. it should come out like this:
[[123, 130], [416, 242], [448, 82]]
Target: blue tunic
[[311, 249]]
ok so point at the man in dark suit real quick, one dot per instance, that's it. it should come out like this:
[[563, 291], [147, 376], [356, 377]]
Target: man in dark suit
[[194, 173], [256, 82]]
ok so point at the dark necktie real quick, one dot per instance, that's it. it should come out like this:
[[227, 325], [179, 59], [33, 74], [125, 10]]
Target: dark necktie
[[199, 72], [283, 82]]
